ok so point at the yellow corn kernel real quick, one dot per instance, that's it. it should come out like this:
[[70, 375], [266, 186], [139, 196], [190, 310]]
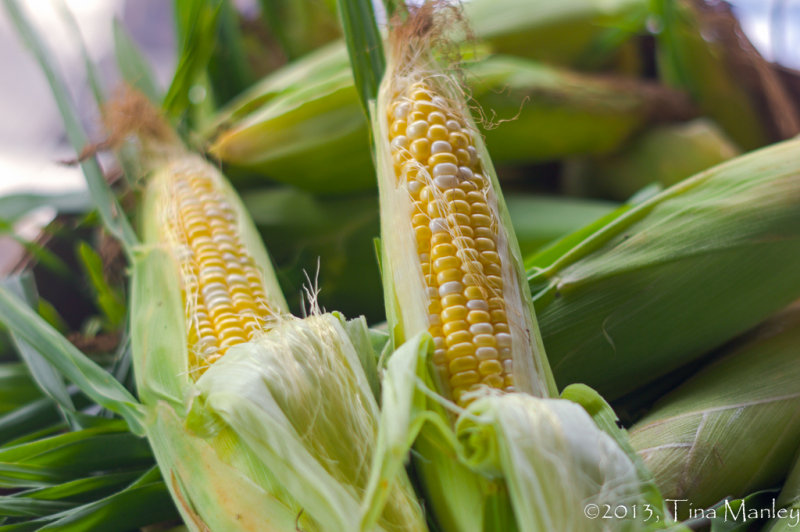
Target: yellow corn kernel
[[223, 289], [459, 225]]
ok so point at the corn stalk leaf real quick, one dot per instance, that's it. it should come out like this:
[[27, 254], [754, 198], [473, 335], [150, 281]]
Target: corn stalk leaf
[[133, 67], [14, 206], [93, 380], [364, 45], [109, 301], [91, 71], [103, 198], [64, 457], [196, 23], [50, 382], [143, 502]]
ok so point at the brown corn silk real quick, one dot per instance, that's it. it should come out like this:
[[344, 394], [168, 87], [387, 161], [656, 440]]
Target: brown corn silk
[[442, 191]]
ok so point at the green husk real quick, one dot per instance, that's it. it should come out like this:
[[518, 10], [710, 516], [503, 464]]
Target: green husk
[[313, 134], [573, 32], [664, 155], [673, 277], [698, 440], [513, 461]]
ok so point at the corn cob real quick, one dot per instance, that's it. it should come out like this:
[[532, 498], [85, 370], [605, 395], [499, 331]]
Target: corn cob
[[664, 155], [225, 288], [459, 276]]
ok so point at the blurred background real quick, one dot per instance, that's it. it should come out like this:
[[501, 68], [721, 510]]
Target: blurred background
[[32, 138]]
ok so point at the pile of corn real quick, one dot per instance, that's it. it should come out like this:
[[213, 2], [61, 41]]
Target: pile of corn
[[474, 401]]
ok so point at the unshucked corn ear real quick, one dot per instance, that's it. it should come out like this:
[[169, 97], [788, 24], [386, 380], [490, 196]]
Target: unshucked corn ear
[[258, 420], [304, 125], [698, 441], [453, 273], [673, 277]]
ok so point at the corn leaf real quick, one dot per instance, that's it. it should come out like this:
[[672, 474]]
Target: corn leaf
[[63, 457], [365, 47], [74, 365], [107, 205], [143, 502], [48, 379], [108, 299], [91, 72], [196, 23], [17, 387], [133, 67], [14, 206]]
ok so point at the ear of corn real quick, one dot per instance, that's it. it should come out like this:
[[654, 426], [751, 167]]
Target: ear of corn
[[622, 290], [257, 419], [567, 32], [698, 440], [315, 136], [664, 155], [450, 260], [692, 56]]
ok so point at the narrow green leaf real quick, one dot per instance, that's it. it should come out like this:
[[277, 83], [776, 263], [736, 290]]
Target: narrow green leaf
[[110, 211], [88, 376], [196, 28], [91, 71], [45, 375], [365, 47], [145, 502], [27, 507], [229, 69], [14, 206], [108, 300], [64, 457], [28, 418], [135, 69]]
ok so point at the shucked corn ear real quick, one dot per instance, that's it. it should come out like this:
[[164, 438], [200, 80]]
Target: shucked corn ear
[[698, 440], [450, 259], [258, 420], [453, 273]]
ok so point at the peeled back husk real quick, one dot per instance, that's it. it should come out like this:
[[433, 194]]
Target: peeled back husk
[[514, 461]]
